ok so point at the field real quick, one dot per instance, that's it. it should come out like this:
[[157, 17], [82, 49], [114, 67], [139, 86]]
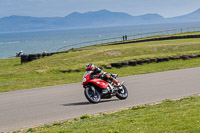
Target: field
[[169, 116], [48, 71]]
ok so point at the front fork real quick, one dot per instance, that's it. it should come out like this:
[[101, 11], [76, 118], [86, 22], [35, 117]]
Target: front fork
[[93, 89]]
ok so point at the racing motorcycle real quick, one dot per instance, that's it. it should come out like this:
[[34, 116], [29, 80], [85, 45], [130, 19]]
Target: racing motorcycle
[[96, 88]]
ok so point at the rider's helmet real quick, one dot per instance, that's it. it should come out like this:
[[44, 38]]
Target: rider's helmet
[[90, 67]]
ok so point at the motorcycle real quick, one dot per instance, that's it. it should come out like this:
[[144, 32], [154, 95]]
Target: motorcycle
[[96, 88]]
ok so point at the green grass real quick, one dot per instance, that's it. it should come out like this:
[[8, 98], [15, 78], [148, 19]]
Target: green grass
[[181, 116], [46, 71]]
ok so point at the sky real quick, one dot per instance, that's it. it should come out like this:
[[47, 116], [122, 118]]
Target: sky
[[61, 8]]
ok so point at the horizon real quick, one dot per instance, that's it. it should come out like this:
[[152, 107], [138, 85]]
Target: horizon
[[98, 11], [61, 8]]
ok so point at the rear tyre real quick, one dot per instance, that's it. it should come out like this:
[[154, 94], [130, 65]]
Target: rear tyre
[[92, 94], [122, 93]]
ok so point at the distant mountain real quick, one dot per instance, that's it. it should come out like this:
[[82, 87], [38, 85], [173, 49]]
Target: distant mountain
[[100, 18], [191, 17], [26, 23]]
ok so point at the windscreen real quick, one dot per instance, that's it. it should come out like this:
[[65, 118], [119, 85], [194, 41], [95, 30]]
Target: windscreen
[[86, 73]]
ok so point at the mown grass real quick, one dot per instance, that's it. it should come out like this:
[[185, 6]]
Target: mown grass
[[47, 71], [181, 116]]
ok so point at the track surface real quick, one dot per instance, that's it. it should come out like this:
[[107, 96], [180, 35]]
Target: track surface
[[29, 108]]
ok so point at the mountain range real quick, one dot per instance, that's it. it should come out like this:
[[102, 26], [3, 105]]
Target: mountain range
[[101, 18]]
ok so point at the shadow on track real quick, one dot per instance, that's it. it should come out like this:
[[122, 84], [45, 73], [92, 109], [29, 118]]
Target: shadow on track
[[88, 103]]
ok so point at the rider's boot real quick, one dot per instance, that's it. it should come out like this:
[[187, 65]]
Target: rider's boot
[[116, 82]]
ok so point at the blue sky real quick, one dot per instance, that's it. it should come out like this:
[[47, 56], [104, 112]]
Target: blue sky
[[61, 8]]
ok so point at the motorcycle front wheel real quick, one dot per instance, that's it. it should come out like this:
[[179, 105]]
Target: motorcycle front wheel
[[92, 94], [122, 93]]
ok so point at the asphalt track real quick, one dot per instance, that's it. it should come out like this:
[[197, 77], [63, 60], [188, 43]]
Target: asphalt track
[[29, 108]]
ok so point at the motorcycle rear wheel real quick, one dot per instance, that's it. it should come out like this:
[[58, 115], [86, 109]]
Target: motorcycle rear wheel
[[123, 95], [92, 94]]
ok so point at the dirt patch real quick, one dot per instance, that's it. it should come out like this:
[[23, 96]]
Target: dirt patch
[[42, 71], [112, 53]]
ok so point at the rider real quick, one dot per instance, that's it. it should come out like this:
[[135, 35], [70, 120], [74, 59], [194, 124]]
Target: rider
[[98, 73]]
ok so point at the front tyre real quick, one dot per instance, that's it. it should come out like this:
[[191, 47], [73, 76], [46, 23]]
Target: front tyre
[[122, 93], [92, 94]]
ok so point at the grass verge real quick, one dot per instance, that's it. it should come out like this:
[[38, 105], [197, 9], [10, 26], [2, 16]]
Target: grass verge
[[169, 116], [11, 82]]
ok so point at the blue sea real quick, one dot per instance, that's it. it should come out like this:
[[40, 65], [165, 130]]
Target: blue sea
[[50, 41]]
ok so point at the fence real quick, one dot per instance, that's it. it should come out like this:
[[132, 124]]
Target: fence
[[129, 37]]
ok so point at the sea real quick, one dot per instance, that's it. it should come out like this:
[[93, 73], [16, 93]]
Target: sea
[[52, 40]]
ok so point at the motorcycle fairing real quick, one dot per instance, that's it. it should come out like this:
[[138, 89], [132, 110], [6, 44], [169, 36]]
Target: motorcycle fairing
[[99, 82]]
